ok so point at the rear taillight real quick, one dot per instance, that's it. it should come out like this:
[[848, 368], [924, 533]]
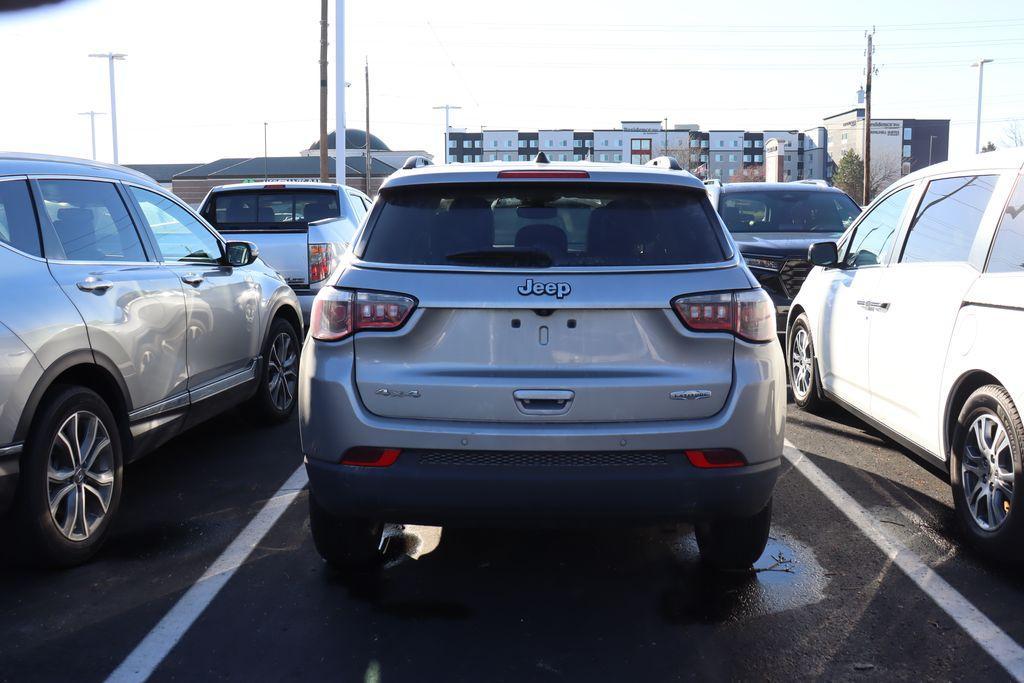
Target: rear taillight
[[749, 314], [323, 258], [366, 456], [713, 458], [337, 313]]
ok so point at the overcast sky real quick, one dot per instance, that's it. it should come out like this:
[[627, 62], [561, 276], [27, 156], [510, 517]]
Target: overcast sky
[[201, 77]]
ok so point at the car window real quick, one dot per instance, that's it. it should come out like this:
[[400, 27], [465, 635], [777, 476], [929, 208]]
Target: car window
[[179, 236], [241, 210], [947, 219], [91, 221], [802, 210], [872, 241], [539, 224], [1008, 249], [18, 227], [358, 208]]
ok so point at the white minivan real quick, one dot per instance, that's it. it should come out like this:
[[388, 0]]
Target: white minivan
[[914, 321]]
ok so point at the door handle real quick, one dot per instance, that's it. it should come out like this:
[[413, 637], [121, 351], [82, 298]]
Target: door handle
[[92, 284], [864, 304], [880, 305], [192, 279], [543, 402]]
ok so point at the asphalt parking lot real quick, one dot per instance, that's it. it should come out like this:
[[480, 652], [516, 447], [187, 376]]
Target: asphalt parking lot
[[509, 604]]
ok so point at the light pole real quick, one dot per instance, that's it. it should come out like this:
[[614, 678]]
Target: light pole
[[264, 151], [981, 77], [92, 126], [447, 126], [111, 57]]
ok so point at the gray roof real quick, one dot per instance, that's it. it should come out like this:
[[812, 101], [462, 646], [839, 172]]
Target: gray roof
[[162, 173], [19, 163], [281, 167]]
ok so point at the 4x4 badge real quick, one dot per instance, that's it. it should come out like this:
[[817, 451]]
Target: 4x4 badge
[[559, 290]]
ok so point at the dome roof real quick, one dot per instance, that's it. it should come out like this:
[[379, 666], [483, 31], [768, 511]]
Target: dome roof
[[354, 139]]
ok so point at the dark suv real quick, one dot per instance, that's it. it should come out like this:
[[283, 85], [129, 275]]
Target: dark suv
[[773, 224]]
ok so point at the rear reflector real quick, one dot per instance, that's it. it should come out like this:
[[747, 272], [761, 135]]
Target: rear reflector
[[715, 457], [366, 456], [543, 174]]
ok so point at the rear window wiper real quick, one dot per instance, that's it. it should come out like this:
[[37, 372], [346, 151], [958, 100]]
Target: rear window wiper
[[512, 257]]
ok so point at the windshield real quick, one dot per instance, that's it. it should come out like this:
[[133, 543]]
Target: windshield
[[269, 209], [787, 211], [541, 225]]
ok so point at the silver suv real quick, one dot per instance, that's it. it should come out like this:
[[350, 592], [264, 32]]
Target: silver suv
[[126, 320], [542, 342]]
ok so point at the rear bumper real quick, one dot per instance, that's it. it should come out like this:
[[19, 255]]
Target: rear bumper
[[416, 489], [332, 419]]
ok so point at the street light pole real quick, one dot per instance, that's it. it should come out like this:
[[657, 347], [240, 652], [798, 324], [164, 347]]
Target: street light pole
[[447, 126], [981, 77], [92, 126], [264, 150], [111, 57]]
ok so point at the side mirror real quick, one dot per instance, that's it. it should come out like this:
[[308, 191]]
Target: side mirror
[[823, 254], [240, 253]]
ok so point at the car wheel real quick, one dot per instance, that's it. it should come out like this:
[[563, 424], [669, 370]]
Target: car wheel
[[803, 368], [348, 545], [276, 397], [71, 485], [985, 463], [733, 545]]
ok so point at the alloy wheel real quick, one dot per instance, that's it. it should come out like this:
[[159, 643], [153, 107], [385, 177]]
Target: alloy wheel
[[801, 363], [986, 470], [80, 475], [282, 375]]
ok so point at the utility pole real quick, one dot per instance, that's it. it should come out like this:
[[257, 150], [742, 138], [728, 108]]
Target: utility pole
[[666, 136], [866, 193], [264, 150], [368, 160], [92, 125], [981, 77], [325, 173], [111, 57], [447, 126], [339, 92]]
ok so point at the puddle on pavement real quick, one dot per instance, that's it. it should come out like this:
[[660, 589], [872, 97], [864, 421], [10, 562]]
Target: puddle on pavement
[[786, 576]]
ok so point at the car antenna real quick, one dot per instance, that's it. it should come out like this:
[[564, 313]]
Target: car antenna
[[541, 158]]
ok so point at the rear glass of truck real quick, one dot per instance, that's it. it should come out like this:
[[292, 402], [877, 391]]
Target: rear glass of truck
[[269, 209], [544, 224]]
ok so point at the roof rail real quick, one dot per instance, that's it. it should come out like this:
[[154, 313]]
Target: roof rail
[[713, 182], [811, 181], [541, 158], [417, 161], [665, 162]]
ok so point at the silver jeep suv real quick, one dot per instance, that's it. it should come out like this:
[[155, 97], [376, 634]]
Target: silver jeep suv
[[542, 342], [125, 319]]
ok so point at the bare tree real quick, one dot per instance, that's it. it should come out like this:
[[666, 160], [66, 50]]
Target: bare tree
[[886, 168], [1013, 134]]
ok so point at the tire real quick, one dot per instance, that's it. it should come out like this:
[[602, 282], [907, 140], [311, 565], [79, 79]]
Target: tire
[[86, 490], [276, 396], [802, 368], [733, 545], [347, 545], [983, 477]]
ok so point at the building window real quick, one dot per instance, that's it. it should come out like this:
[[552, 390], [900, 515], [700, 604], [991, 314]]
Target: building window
[[694, 143], [704, 144], [618, 157], [452, 159], [524, 157], [640, 150], [907, 132], [758, 143], [718, 157], [565, 143], [452, 144], [735, 143], [602, 157], [477, 143], [577, 157], [746, 158], [906, 151], [476, 157], [704, 158], [732, 157], [787, 157], [758, 158]]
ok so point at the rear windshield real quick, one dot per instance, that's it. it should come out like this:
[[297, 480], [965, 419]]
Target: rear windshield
[[541, 225], [269, 209], [787, 211]]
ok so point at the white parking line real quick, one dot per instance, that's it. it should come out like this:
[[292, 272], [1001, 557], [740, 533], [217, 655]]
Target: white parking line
[[144, 659], [986, 634]]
